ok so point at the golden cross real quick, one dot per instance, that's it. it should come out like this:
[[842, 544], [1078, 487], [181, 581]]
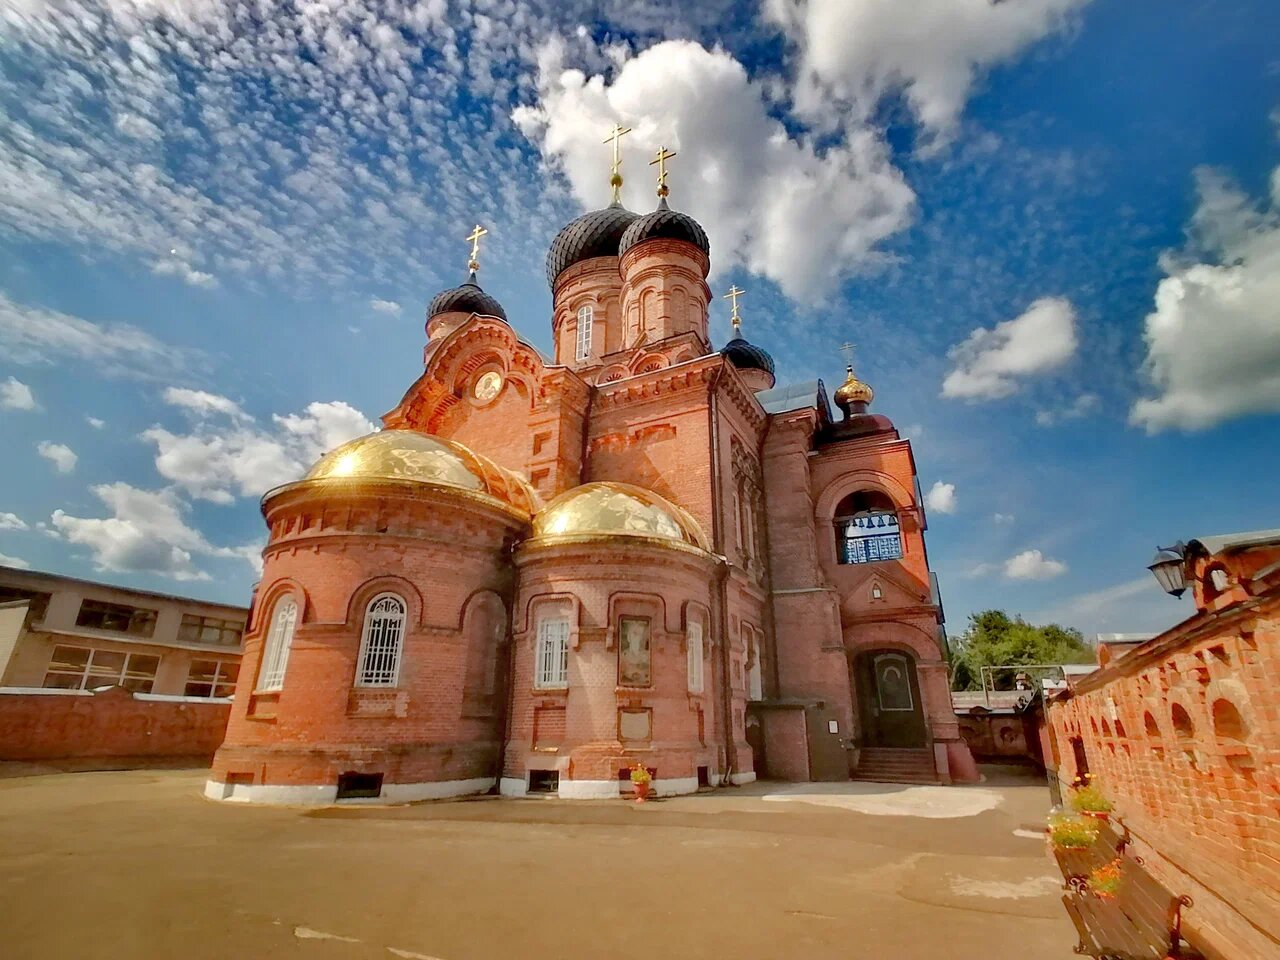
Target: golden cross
[[615, 176], [733, 294], [847, 350], [663, 155], [474, 237]]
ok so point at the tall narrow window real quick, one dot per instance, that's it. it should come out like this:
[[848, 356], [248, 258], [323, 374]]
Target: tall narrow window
[[585, 317], [693, 640], [275, 656], [381, 642], [552, 667]]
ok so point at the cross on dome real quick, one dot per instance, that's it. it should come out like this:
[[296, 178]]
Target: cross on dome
[[661, 158], [615, 176], [474, 239], [735, 318]]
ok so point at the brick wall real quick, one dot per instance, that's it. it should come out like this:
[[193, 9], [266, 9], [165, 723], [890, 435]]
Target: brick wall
[[1184, 735], [112, 723]]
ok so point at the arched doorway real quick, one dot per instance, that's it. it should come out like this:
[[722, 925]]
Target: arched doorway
[[888, 694]]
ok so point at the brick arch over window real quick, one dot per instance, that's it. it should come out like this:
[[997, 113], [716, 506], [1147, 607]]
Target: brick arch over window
[[266, 601], [415, 615], [837, 490], [902, 636]]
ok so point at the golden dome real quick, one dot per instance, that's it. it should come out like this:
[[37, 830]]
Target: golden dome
[[610, 509], [852, 391], [420, 457]]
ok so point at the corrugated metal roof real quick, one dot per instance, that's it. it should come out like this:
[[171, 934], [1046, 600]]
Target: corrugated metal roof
[[1237, 541], [794, 396]]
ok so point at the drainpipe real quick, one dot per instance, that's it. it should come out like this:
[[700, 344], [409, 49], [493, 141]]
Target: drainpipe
[[722, 585]]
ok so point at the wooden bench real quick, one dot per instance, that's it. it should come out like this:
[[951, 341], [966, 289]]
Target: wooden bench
[[1142, 922]]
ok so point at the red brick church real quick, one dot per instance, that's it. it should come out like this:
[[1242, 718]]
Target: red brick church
[[640, 550]]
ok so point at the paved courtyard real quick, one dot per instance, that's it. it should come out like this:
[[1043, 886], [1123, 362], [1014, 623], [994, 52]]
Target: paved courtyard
[[137, 865]]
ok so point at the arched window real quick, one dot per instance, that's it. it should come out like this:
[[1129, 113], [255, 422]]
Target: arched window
[[551, 666], [585, 320], [866, 528], [1227, 722], [275, 654], [381, 641]]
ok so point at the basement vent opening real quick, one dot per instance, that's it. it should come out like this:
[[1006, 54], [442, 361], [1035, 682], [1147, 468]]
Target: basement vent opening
[[359, 786], [544, 781]]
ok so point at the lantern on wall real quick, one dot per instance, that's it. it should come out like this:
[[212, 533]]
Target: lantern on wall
[[1169, 568]]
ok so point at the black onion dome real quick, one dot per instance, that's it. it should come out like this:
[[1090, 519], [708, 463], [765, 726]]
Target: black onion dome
[[666, 224], [468, 298], [747, 356], [594, 234]]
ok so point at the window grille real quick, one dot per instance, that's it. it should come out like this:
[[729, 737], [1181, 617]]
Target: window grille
[[553, 654], [275, 656], [585, 319], [694, 642], [82, 668], [381, 643], [869, 538]]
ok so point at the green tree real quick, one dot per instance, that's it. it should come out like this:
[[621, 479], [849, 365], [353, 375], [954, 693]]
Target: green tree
[[993, 638]]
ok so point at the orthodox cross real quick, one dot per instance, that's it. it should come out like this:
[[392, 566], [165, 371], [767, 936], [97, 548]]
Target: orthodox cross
[[663, 155], [474, 264], [847, 350], [733, 294], [615, 176]]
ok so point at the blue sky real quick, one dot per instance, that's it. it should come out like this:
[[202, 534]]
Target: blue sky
[[1052, 228]]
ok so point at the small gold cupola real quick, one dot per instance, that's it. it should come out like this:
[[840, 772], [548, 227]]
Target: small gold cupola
[[853, 395]]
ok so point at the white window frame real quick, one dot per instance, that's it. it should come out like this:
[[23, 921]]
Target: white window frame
[[551, 660], [275, 652], [123, 674], [382, 641], [586, 320], [693, 641]]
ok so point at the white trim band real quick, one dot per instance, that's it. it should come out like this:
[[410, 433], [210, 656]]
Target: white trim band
[[294, 794]]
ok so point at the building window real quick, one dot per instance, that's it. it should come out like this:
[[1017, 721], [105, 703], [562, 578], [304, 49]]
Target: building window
[[381, 642], [37, 602], [634, 666], [100, 615], [552, 669], [275, 655], [693, 640], [585, 320], [82, 668], [755, 680], [210, 630], [211, 678]]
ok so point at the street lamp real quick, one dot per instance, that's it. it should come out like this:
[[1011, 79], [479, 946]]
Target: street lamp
[[1169, 568]]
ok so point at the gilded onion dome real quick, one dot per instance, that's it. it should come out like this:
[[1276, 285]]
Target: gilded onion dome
[[466, 298], [853, 392], [594, 234], [612, 509], [408, 455], [665, 224]]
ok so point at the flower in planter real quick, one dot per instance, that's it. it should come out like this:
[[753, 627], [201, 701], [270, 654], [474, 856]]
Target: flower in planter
[[1090, 800], [1104, 882], [1072, 833], [640, 775]]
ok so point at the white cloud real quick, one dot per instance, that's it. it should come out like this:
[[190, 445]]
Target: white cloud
[[1002, 518], [221, 459], [385, 306], [1213, 340], [35, 335], [798, 214], [147, 533], [1085, 403], [59, 454], [941, 497], [1033, 565], [855, 52], [16, 395], [16, 562], [203, 403], [11, 521], [95, 422], [173, 266], [989, 363]]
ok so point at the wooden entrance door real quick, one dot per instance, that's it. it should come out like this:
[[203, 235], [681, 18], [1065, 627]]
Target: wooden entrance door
[[889, 700]]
